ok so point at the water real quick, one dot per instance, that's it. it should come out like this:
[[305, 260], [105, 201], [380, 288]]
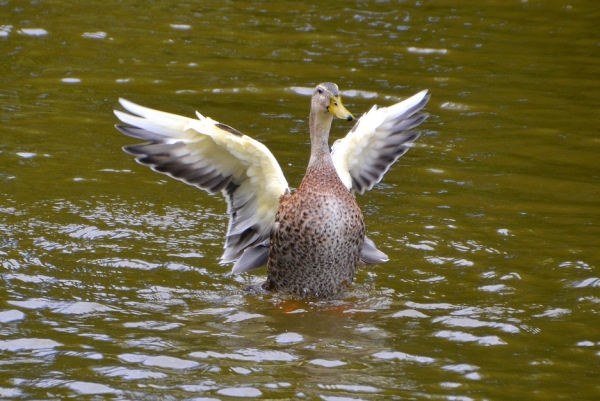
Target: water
[[111, 286]]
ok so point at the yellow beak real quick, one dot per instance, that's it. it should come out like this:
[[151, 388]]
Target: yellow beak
[[336, 107]]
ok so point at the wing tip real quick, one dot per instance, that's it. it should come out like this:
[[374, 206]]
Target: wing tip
[[127, 105]]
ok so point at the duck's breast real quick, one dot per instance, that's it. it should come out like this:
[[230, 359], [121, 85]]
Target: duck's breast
[[317, 239]]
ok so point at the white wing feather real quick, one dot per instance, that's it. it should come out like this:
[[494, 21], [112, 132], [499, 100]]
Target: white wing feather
[[216, 158], [377, 140]]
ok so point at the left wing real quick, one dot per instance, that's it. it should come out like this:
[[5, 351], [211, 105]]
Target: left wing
[[377, 140], [216, 158]]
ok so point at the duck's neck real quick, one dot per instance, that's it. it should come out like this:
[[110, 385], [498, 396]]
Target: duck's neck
[[320, 125]]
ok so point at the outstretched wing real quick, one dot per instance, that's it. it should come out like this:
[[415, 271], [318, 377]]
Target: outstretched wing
[[377, 140], [216, 158]]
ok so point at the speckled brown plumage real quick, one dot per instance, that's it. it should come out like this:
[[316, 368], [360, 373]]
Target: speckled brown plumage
[[319, 231], [318, 237]]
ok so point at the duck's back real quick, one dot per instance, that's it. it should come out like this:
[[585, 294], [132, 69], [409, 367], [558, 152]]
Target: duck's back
[[318, 237]]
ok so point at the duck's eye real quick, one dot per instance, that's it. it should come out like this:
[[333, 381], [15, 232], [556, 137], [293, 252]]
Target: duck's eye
[[335, 103], [320, 90]]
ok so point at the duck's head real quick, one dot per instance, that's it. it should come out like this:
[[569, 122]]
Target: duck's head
[[326, 98]]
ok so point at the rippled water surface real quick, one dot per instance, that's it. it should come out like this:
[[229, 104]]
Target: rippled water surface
[[110, 283]]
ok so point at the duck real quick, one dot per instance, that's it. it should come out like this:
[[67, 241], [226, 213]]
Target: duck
[[311, 240]]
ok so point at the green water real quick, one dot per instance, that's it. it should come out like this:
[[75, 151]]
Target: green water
[[111, 286]]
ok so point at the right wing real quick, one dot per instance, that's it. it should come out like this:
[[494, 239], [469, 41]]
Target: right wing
[[216, 158], [377, 140], [366, 153]]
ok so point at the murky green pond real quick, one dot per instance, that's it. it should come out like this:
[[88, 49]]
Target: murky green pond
[[110, 283]]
